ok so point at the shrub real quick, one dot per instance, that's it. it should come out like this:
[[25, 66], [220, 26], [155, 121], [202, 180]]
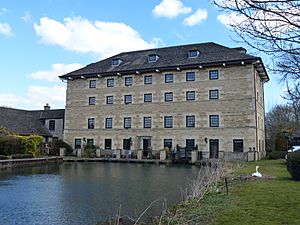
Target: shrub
[[276, 155], [293, 165], [90, 151], [21, 156], [280, 142], [57, 144], [31, 144], [10, 144], [4, 131], [3, 157]]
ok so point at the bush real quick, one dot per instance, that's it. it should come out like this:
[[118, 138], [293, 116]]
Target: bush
[[31, 144], [4, 131], [21, 156], [3, 157], [57, 144], [293, 165], [10, 144], [276, 155], [280, 142], [90, 151]]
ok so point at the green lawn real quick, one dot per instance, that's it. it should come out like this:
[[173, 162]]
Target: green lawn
[[267, 202], [255, 202]]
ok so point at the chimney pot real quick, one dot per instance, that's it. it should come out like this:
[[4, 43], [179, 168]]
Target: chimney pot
[[47, 107]]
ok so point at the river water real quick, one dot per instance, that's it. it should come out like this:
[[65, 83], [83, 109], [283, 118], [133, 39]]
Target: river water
[[87, 193]]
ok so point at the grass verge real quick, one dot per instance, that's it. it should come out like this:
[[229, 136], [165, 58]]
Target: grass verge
[[258, 201]]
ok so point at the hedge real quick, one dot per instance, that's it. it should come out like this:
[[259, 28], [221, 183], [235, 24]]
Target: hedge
[[31, 144], [277, 155], [10, 144], [293, 165], [57, 144], [14, 144]]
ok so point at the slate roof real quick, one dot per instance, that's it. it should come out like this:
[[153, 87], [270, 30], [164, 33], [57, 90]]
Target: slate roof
[[169, 58], [52, 114], [24, 122]]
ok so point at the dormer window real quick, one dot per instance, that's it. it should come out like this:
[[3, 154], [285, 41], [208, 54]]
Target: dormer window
[[193, 53], [153, 58], [116, 62]]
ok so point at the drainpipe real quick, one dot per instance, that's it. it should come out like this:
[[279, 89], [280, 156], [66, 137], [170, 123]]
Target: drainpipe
[[255, 110]]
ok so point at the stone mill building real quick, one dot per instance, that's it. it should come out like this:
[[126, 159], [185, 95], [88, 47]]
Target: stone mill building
[[200, 96]]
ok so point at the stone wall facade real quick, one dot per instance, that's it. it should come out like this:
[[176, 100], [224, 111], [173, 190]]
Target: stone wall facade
[[239, 109], [58, 127]]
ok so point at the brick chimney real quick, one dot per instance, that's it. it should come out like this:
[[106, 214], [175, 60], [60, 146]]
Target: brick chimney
[[47, 107]]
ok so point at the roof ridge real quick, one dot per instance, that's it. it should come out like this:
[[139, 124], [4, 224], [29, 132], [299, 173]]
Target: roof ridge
[[210, 53], [166, 47]]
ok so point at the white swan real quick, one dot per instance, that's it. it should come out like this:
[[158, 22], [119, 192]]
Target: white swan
[[256, 174]]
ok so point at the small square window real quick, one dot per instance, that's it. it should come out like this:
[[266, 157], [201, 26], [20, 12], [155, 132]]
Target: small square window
[[168, 121], [214, 74], [128, 81], [107, 144], [127, 122], [190, 144], [238, 145], [147, 122], [128, 99], [168, 96], [109, 100], [190, 121], [108, 123], [92, 100], [91, 123], [152, 58], [89, 141], [116, 62], [93, 83], [213, 94], [193, 53], [52, 125], [190, 95], [169, 78], [148, 97], [77, 144], [214, 121], [190, 76], [148, 79], [110, 82], [127, 144], [168, 143]]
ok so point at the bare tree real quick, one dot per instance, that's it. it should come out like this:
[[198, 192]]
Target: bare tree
[[293, 100], [271, 27], [279, 119]]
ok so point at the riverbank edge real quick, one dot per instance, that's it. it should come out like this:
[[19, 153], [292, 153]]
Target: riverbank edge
[[14, 163], [200, 209], [222, 208]]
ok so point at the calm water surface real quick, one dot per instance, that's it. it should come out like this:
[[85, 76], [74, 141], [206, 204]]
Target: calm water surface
[[87, 193]]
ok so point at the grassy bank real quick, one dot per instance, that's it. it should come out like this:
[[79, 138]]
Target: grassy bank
[[259, 201]]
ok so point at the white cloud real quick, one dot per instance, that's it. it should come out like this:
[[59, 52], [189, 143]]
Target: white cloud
[[36, 97], [6, 30], [3, 11], [81, 35], [170, 9], [57, 70], [27, 17], [54, 95], [9, 99], [199, 16], [230, 19], [264, 21]]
